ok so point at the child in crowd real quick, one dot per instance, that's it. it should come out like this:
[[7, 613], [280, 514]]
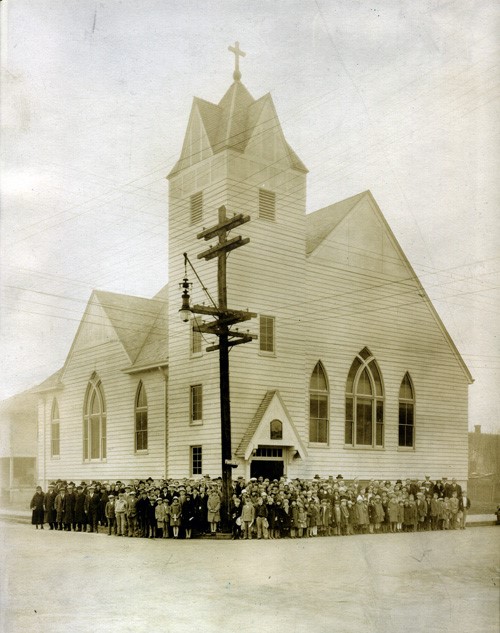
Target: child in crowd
[[109, 511], [401, 515], [446, 513], [175, 516], [120, 514], [301, 519], [393, 512], [434, 511], [454, 507], [236, 519], [336, 518], [324, 519], [247, 518], [160, 517]]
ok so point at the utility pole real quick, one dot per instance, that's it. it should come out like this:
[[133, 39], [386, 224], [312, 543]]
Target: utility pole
[[224, 318]]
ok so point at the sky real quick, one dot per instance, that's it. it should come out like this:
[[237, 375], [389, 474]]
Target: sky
[[399, 97]]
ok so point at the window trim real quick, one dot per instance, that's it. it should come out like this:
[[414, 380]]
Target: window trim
[[364, 359], [192, 420], [141, 409], [275, 431], [195, 321], [411, 401], [272, 319], [324, 393], [55, 421], [94, 386], [192, 448]]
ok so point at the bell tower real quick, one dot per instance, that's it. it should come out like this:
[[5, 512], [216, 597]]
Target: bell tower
[[235, 154]]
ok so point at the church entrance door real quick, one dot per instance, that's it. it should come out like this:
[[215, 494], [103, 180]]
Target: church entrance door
[[266, 469]]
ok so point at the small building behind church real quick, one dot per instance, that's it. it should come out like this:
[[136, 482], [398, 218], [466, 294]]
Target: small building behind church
[[352, 372], [18, 446]]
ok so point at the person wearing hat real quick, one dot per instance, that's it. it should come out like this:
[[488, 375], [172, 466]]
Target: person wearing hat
[[92, 508], [50, 511], [439, 487], [60, 507], [213, 510], [121, 514], [36, 505], [80, 516], [175, 516], [141, 508], [111, 514], [188, 515], [69, 512], [422, 511], [463, 509], [451, 488], [131, 513], [161, 514]]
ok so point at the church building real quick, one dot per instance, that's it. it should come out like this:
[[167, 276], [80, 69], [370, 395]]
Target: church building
[[351, 371]]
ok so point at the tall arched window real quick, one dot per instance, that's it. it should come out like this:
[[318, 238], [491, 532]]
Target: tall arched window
[[364, 407], [319, 405], [141, 419], [406, 413], [55, 448], [94, 421]]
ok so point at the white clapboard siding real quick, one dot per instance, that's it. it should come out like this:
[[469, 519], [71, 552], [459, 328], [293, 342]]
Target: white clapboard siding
[[120, 389], [355, 290], [251, 284]]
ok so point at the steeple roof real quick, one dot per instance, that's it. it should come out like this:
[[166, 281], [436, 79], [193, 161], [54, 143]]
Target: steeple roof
[[228, 125]]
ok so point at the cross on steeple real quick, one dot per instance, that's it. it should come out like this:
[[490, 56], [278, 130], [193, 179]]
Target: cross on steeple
[[237, 54]]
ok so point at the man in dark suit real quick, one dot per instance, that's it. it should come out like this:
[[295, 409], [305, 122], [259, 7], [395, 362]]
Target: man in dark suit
[[439, 487], [92, 508], [451, 488]]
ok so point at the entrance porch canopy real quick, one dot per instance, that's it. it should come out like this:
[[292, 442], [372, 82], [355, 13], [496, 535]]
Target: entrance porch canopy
[[260, 432]]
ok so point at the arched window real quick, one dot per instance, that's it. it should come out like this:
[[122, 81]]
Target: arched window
[[94, 421], [276, 430], [364, 407], [406, 413], [55, 447], [319, 405], [141, 419]]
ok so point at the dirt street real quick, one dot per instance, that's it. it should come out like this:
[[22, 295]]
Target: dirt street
[[55, 582]]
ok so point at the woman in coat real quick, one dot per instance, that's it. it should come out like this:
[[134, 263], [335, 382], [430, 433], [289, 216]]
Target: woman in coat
[[188, 514], [175, 516], [213, 510], [69, 510], [37, 505], [50, 511]]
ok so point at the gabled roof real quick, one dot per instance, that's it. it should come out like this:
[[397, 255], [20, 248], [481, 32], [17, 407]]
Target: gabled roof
[[231, 123], [134, 321], [131, 317], [321, 223], [271, 407], [155, 348], [49, 384]]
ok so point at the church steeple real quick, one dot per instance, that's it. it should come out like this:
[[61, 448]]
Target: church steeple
[[238, 122]]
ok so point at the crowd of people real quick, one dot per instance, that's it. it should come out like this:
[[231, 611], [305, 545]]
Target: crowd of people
[[259, 508]]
